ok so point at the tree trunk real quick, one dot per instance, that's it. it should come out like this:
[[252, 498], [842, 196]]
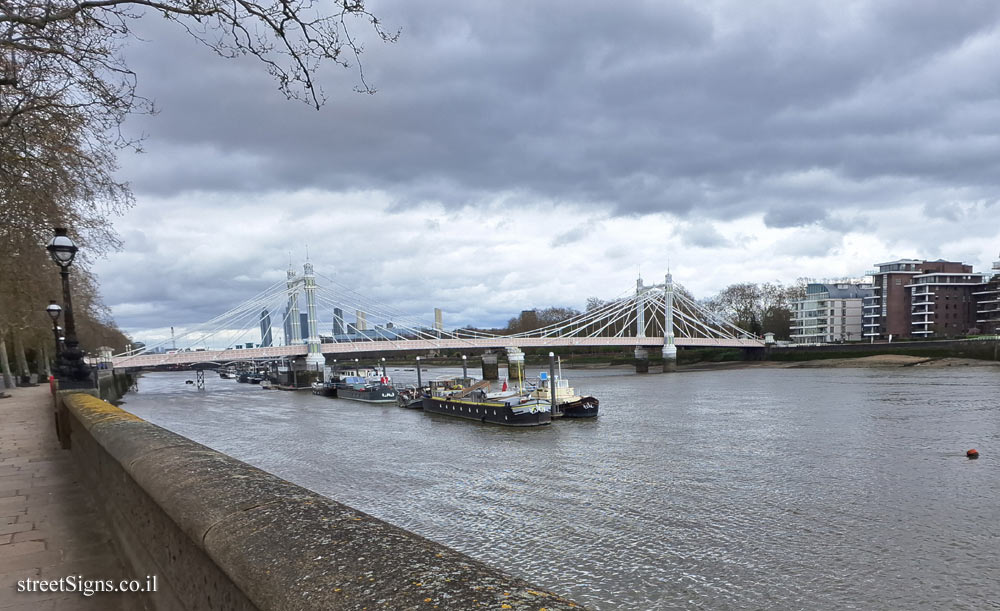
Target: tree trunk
[[8, 377], [22, 361], [43, 362]]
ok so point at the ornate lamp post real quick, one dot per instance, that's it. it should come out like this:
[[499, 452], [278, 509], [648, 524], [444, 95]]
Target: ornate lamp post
[[54, 310], [71, 369]]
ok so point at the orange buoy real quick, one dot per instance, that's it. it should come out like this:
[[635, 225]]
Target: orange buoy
[[972, 453]]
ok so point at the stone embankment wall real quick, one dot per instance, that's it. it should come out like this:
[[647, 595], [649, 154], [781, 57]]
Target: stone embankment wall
[[113, 384], [221, 534]]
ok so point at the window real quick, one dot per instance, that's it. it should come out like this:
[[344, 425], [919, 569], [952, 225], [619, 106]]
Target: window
[[899, 281]]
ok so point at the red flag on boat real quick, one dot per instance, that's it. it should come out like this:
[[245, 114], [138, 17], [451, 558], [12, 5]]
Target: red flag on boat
[[504, 389]]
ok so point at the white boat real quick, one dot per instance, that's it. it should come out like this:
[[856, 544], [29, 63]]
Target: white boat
[[568, 402]]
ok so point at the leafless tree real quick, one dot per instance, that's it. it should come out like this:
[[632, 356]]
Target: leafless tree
[[757, 308], [67, 53], [65, 91]]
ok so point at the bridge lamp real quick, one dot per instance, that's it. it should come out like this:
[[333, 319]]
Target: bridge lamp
[[72, 370], [465, 368]]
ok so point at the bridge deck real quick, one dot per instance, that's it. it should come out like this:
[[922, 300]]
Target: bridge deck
[[278, 352]]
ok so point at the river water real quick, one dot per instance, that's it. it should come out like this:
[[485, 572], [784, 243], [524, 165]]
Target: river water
[[739, 489]]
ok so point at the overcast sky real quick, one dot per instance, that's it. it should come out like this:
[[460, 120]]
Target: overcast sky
[[529, 154]]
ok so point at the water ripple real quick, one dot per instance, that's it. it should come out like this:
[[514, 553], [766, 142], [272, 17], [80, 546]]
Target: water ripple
[[777, 489]]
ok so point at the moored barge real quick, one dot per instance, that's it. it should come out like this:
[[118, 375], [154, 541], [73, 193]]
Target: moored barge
[[568, 403], [369, 393], [475, 403]]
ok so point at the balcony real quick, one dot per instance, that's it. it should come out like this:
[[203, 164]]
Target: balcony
[[870, 324], [876, 315], [871, 272], [922, 332], [876, 334], [922, 303]]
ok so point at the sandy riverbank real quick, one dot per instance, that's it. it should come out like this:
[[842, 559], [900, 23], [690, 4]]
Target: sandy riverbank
[[866, 362]]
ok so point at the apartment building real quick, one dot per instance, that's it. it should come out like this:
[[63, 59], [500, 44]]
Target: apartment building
[[921, 299], [988, 304], [830, 312]]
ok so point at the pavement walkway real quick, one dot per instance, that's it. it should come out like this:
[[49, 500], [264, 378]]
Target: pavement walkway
[[49, 525]]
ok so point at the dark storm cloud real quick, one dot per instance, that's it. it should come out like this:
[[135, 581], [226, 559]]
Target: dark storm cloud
[[793, 214], [692, 108]]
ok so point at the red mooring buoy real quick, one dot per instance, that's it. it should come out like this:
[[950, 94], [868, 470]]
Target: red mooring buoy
[[972, 453]]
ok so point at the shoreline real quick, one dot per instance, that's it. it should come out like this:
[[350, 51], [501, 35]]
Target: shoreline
[[881, 361]]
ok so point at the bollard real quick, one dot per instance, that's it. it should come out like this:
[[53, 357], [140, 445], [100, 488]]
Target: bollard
[[552, 384]]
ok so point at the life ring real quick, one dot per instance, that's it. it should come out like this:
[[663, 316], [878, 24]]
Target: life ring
[[534, 409]]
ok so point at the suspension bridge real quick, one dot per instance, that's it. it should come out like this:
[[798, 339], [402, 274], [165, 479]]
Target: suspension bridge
[[651, 316]]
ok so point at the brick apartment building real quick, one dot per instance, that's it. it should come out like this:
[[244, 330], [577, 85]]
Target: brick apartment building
[[914, 299]]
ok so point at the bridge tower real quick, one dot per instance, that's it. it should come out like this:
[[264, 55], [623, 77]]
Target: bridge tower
[[292, 313], [669, 349], [641, 353], [314, 359]]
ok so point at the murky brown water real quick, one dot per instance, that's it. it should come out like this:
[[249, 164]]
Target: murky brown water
[[749, 489]]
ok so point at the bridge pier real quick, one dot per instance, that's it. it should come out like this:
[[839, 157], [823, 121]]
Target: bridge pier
[[669, 358], [491, 367], [669, 349], [315, 358], [641, 360], [515, 365]]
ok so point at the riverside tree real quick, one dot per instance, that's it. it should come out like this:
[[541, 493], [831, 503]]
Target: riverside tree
[[67, 53], [758, 308], [65, 91]]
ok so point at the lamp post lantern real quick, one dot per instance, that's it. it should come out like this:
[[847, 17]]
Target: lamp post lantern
[[72, 370], [54, 310]]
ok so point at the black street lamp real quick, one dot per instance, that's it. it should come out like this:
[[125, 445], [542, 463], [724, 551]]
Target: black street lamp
[[72, 370], [54, 310]]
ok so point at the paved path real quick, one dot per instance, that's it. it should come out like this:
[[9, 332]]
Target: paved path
[[49, 526]]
